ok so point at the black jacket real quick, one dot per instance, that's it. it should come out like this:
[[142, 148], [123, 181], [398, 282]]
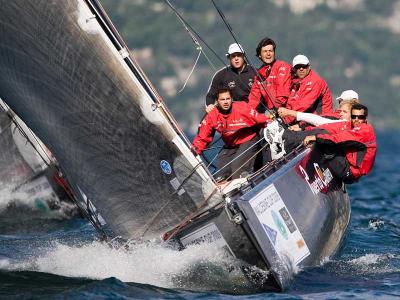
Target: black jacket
[[239, 83]]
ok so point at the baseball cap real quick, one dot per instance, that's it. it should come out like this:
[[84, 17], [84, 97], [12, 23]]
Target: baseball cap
[[235, 48], [300, 60], [348, 95]]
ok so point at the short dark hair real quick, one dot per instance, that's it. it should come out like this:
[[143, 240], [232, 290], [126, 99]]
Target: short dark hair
[[223, 90], [359, 106], [265, 42]]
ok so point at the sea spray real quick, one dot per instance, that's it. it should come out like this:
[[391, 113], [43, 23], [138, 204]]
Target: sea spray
[[200, 267]]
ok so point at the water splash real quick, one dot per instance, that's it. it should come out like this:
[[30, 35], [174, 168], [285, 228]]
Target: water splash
[[371, 259], [46, 205], [199, 267], [376, 224]]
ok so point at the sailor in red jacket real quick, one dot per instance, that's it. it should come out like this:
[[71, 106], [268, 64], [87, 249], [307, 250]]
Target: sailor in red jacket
[[274, 88], [309, 92], [238, 124], [294, 136], [354, 149]]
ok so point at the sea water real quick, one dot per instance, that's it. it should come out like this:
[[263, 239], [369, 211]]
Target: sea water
[[44, 254]]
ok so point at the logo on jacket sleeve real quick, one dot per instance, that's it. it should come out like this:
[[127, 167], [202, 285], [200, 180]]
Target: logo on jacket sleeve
[[250, 82]]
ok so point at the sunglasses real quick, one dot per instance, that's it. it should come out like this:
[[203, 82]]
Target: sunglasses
[[301, 67], [359, 117]]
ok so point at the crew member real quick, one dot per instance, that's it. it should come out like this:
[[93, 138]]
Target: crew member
[[238, 124], [353, 150], [271, 88], [316, 124], [309, 92], [347, 95], [238, 77]]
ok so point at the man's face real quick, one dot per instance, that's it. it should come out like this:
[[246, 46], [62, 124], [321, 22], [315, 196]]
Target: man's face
[[224, 101], [267, 54], [302, 70], [345, 112], [358, 117], [236, 60]]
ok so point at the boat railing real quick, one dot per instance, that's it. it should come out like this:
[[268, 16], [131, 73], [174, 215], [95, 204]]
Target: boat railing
[[266, 171]]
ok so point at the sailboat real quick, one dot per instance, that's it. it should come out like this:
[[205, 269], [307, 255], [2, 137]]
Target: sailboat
[[71, 78], [26, 172]]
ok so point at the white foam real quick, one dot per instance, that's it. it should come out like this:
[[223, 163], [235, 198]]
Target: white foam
[[375, 263], [37, 202], [4, 263], [145, 263], [368, 259], [375, 225]]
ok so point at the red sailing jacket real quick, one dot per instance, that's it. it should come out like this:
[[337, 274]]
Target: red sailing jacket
[[310, 94], [359, 144], [277, 80], [237, 127]]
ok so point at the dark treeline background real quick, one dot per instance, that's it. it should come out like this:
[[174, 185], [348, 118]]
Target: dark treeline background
[[353, 44]]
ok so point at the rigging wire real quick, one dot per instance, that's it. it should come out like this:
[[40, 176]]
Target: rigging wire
[[273, 111], [186, 26], [191, 72], [236, 157], [195, 41], [210, 164], [193, 32], [154, 218], [250, 158]]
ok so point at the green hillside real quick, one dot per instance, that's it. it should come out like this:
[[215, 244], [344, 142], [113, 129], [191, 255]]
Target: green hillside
[[353, 44]]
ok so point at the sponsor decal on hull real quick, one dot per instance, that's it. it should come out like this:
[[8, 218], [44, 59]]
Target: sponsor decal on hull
[[279, 226], [321, 180], [207, 234]]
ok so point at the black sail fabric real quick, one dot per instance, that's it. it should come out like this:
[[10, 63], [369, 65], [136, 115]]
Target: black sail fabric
[[69, 84]]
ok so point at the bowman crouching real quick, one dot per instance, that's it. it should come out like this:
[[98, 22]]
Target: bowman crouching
[[238, 123]]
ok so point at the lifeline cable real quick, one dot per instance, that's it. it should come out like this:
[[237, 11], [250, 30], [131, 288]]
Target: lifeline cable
[[255, 154], [227, 164]]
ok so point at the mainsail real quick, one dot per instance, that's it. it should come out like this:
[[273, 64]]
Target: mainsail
[[90, 103]]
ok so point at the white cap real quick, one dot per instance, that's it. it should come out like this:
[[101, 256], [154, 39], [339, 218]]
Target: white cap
[[348, 95], [235, 48], [300, 60]]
